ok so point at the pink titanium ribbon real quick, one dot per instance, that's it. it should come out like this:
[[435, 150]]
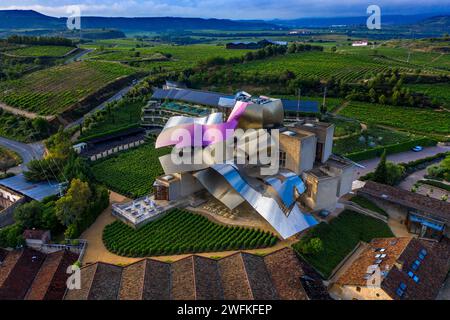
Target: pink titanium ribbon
[[200, 135]]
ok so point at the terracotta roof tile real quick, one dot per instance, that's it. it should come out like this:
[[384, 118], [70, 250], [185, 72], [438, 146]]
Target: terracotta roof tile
[[106, 282], [157, 281], [207, 279], [234, 278], [354, 275], [132, 283], [431, 272], [16, 285], [87, 278], [50, 282], [429, 206], [285, 271], [183, 281], [8, 264], [258, 277]]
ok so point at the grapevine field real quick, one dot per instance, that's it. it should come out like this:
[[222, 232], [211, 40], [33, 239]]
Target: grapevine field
[[53, 90], [131, 172], [323, 65], [438, 91], [41, 51], [181, 231], [411, 119]]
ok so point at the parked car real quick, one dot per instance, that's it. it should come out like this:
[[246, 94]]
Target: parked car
[[417, 149]]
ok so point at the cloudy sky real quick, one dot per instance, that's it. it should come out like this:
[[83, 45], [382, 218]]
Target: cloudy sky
[[235, 9]]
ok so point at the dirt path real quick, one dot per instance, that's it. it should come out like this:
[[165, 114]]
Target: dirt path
[[23, 113], [96, 251], [342, 106]]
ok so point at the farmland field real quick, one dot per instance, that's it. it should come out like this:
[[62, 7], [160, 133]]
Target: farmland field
[[53, 90], [340, 236], [41, 51], [411, 119], [131, 172], [181, 231], [323, 65], [181, 56], [438, 91]]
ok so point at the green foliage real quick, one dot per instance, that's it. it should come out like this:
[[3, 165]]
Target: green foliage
[[178, 232], [70, 207], [11, 236], [29, 215], [339, 237], [381, 172], [435, 183], [132, 172], [310, 246], [441, 171], [23, 129], [8, 159], [387, 172]]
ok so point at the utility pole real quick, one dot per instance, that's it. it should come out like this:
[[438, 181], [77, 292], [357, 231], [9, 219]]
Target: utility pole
[[298, 102], [324, 98]]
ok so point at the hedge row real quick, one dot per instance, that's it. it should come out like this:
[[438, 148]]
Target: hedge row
[[107, 133], [436, 184], [390, 149]]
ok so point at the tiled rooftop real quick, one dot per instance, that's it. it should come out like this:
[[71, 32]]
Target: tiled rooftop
[[239, 276], [29, 274], [396, 266]]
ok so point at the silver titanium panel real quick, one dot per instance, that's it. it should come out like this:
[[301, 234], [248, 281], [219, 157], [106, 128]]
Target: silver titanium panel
[[214, 118], [219, 188], [268, 208]]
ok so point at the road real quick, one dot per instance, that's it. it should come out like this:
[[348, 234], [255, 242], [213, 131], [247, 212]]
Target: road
[[78, 56], [27, 152], [119, 95], [407, 156]]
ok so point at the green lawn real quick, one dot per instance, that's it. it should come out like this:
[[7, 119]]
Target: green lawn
[[181, 231], [131, 172], [340, 236], [366, 203], [406, 118]]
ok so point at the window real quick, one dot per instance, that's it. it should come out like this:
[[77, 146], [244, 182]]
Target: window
[[358, 289], [282, 159], [410, 274], [401, 289], [415, 265]]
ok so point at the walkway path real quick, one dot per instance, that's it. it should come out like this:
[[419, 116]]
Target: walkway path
[[24, 113]]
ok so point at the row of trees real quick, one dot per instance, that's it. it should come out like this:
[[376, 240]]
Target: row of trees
[[51, 41]]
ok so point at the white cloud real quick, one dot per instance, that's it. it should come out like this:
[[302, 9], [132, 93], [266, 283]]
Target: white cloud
[[236, 9]]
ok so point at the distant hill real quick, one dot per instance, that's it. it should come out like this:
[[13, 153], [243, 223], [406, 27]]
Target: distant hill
[[26, 19], [438, 23], [351, 21]]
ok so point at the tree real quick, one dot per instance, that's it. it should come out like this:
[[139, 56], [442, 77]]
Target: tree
[[29, 215], [382, 99], [73, 205], [373, 95], [380, 174], [7, 163], [311, 246], [395, 97]]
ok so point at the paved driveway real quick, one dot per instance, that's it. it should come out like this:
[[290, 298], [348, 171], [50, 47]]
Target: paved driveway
[[407, 156], [27, 152]]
